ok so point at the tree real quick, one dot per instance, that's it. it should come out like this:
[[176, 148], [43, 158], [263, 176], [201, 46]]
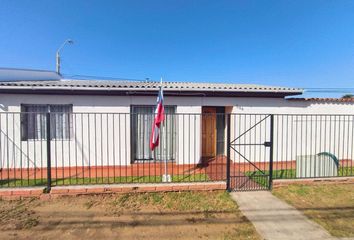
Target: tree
[[348, 96]]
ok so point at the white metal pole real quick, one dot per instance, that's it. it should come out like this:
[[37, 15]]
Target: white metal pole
[[58, 63], [165, 177], [57, 57]]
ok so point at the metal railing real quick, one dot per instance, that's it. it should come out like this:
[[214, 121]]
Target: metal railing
[[313, 146], [246, 150], [64, 148], [288, 146]]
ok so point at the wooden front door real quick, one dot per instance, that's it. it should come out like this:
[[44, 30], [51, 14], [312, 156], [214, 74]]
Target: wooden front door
[[209, 132]]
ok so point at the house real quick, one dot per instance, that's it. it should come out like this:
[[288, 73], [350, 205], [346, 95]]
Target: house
[[101, 128]]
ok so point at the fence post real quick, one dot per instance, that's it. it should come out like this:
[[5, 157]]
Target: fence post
[[49, 173], [271, 151], [228, 159]]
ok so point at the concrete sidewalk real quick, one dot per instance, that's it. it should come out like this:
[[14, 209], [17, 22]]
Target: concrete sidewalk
[[275, 219]]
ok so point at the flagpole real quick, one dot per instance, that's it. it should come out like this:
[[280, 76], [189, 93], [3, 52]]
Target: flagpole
[[166, 177]]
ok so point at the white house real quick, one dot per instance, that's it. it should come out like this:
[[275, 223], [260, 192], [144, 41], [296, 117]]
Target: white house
[[107, 123]]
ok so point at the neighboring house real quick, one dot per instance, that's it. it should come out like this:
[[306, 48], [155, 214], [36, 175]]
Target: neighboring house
[[108, 123]]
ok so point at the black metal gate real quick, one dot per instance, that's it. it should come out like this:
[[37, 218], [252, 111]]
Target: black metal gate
[[249, 152]]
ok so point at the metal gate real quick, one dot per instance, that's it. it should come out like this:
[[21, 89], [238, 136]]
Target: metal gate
[[249, 152]]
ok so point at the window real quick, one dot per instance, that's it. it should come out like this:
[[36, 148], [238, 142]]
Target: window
[[220, 130], [142, 120], [34, 123]]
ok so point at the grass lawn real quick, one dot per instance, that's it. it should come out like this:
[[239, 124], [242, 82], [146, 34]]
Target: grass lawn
[[172, 215], [105, 180], [290, 174], [330, 205]]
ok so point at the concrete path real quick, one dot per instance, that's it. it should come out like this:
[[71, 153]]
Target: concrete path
[[275, 219]]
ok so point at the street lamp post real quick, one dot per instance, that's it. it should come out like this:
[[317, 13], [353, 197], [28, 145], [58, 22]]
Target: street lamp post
[[69, 41]]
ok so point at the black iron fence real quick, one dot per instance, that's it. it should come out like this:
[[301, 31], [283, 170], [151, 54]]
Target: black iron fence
[[288, 146], [248, 151], [65, 148]]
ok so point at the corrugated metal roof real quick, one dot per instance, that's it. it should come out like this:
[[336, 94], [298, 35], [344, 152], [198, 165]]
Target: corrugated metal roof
[[340, 100], [144, 86], [38, 81]]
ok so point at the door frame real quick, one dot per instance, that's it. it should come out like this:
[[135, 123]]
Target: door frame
[[217, 110], [212, 111]]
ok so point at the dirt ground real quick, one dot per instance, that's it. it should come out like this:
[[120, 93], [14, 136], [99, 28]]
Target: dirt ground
[[184, 215]]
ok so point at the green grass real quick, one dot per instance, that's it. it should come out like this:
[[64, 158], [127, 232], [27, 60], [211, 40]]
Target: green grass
[[289, 174], [330, 205], [178, 201], [345, 171], [100, 180], [259, 177], [262, 178]]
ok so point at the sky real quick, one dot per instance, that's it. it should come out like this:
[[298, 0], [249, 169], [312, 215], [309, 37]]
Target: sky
[[297, 43]]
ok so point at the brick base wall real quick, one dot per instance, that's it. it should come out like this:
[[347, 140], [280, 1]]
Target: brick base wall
[[311, 181]]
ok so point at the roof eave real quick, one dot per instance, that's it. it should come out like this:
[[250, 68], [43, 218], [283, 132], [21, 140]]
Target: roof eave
[[67, 90]]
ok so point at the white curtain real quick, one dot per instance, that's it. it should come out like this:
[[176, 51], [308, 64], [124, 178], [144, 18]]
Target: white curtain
[[34, 121], [142, 120], [61, 121]]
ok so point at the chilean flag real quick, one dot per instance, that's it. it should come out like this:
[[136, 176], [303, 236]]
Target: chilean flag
[[159, 118]]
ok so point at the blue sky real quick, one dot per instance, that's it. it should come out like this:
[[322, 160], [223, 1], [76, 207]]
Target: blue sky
[[292, 43]]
